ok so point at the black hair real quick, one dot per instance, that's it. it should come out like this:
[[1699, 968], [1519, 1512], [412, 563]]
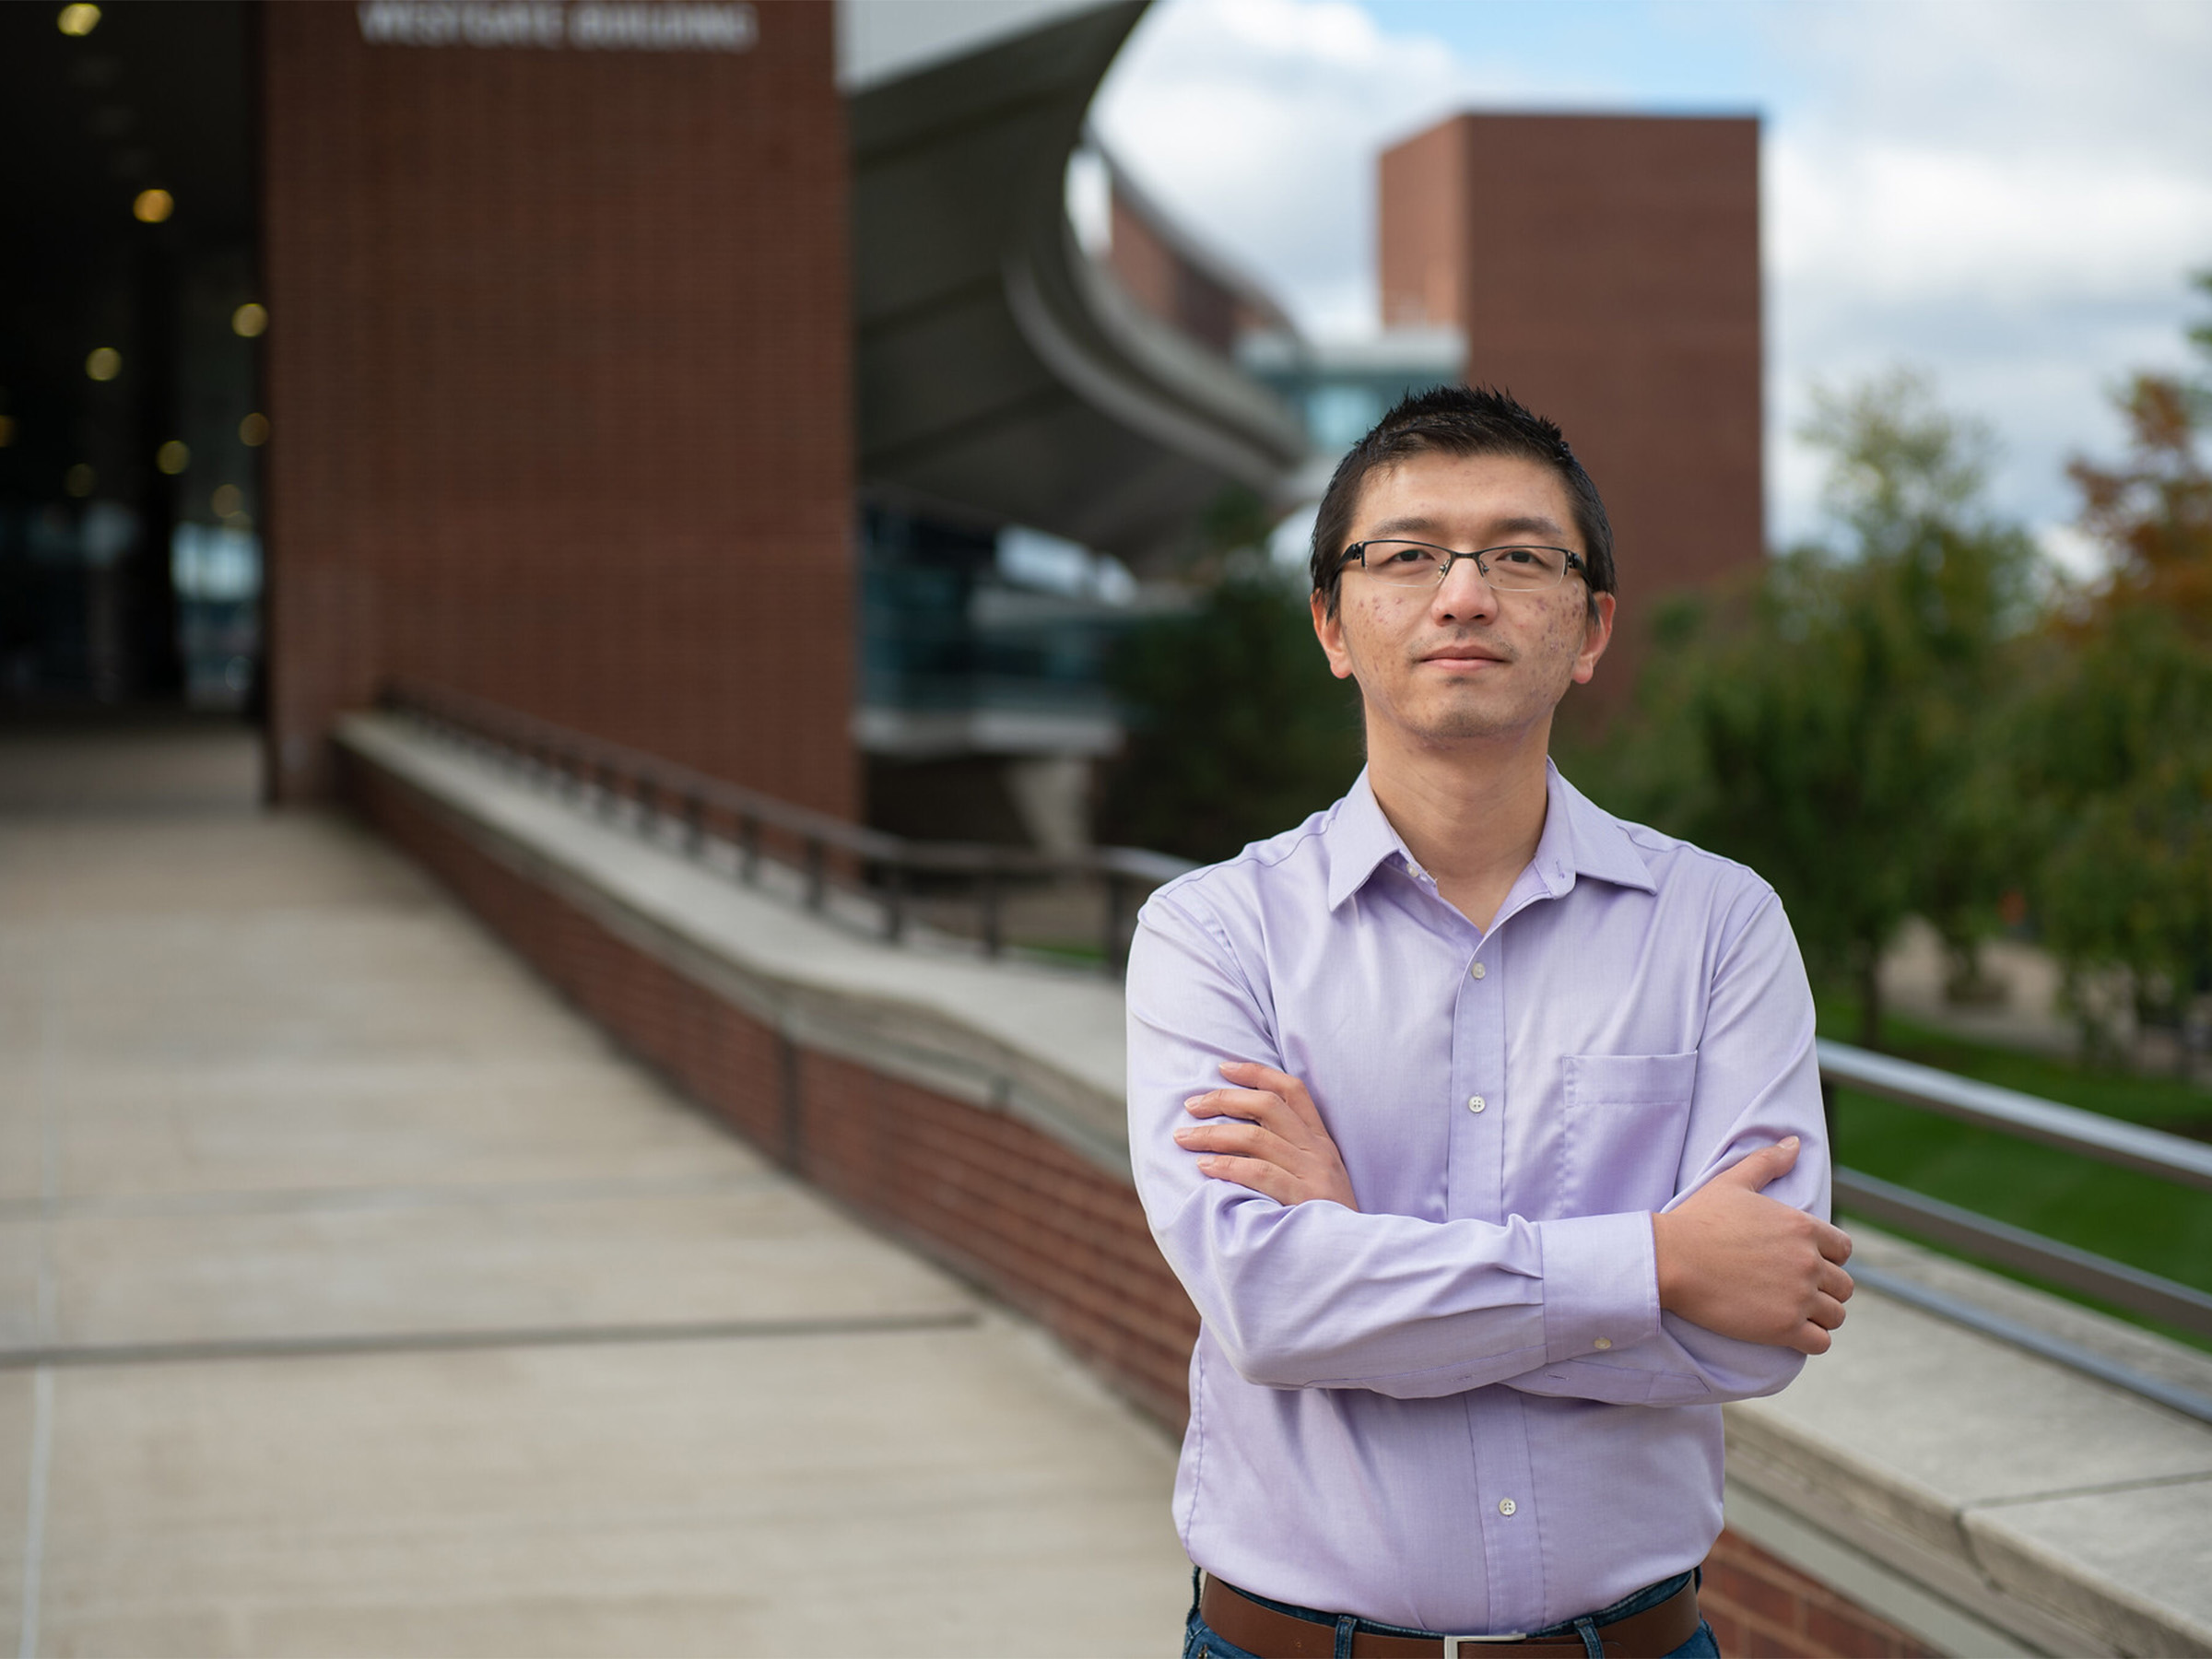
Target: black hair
[[1458, 421]]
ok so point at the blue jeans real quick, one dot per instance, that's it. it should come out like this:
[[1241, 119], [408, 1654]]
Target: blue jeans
[[1200, 1641]]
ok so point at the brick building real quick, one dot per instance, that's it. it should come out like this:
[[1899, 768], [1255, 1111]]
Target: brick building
[[560, 384], [1605, 269]]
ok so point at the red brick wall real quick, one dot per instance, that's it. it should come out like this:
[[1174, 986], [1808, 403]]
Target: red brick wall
[[1760, 1608], [1002, 1204], [1166, 283], [1606, 271], [558, 384], [1421, 229]]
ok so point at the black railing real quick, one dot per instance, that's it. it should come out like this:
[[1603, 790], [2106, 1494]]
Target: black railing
[[2088, 1133], [963, 887]]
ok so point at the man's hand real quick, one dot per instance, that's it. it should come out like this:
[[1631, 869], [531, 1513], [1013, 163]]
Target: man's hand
[[1745, 1265], [1264, 1133]]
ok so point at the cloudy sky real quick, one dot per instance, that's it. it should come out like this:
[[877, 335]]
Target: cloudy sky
[[2006, 194]]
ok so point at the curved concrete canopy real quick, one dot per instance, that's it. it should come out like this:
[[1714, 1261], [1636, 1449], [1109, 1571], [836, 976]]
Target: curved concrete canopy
[[1000, 373]]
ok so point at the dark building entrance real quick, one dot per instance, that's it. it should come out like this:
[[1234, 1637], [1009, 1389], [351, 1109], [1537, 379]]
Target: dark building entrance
[[130, 312]]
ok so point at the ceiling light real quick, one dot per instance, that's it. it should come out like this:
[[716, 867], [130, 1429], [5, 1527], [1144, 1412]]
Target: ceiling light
[[79, 479], [172, 457], [104, 363], [79, 19], [253, 430], [227, 499], [250, 320], [153, 206]]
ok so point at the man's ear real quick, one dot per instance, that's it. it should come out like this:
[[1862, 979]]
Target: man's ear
[[1329, 630], [1598, 634]]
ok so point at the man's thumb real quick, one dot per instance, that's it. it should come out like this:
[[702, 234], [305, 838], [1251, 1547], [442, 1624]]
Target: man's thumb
[[1755, 1170]]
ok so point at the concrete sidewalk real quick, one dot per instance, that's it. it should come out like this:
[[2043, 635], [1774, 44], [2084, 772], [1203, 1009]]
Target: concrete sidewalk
[[355, 1297]]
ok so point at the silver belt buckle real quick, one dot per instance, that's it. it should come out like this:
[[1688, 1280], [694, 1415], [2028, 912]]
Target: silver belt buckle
[[1452, 1643]]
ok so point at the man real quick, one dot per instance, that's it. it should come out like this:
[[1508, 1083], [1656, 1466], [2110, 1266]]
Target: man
[[1483, 1129]]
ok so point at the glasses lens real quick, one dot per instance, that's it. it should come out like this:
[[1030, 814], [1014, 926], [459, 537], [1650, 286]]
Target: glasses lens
[[1404, 564], [1525, 567]]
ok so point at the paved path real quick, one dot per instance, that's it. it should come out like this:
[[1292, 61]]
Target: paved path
[[356, 1297]]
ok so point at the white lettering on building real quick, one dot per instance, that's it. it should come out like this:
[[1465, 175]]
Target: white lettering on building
[[546, 24]]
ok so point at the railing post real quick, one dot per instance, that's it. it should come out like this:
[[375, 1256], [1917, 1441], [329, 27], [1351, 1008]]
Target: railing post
[[894, 901], [818, 880], [695, 824], [988, 898], [748, 848]]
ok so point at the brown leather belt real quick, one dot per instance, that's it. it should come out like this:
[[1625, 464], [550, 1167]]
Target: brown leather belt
[[1258, 1629]]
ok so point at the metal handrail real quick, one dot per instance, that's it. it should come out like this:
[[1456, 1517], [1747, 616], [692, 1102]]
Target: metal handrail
[[2029, 1117], [663, 789]]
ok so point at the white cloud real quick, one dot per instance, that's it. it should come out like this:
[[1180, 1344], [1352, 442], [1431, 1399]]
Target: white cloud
[[1258, 123], [1881, 221]]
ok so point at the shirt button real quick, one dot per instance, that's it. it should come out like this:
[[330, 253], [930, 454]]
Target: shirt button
[[1476, 1102], [1506, 1506], [1477, 970], [1602, 1342]]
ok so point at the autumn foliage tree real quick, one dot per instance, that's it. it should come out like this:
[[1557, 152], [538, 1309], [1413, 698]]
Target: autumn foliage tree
[[2117, 753]]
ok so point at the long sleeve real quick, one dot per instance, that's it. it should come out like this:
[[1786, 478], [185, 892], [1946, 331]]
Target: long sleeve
[[1315, 1295]]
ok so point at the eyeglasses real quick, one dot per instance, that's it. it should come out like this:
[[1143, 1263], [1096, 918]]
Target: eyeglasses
[[1412, 564]]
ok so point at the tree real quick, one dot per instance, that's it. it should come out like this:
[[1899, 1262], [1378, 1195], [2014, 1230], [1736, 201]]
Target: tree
[[2117, 751], [1236, 729], [1829, 722]]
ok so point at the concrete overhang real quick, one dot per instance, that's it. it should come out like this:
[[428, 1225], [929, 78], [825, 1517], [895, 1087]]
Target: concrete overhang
[[1002, 374]]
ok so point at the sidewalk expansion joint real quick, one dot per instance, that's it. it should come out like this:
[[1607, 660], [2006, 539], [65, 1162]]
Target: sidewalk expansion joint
[[438, 1342]]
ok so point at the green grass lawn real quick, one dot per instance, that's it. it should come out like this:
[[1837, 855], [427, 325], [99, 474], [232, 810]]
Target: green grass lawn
[[2149, 1223]]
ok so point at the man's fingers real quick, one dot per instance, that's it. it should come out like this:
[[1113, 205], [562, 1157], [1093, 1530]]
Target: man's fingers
[[1810, 1339], [1755, 1170], [1833, 1281], [1250, 1074], [1233, 1135], [1256, 1173], [1235, 1102], [1827, 1313], [1834, 1244], [1256, 1104]]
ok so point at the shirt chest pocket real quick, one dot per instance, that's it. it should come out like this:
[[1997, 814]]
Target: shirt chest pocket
[[1627, 1115]]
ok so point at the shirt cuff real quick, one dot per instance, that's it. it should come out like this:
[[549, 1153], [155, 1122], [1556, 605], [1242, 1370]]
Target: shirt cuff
[[1601, 1284]]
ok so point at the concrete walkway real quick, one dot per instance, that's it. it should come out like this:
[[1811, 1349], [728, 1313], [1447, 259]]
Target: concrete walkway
[[355, 1297]]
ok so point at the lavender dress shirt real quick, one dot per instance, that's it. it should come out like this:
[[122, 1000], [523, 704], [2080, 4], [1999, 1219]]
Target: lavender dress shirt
[[1460, 1408]]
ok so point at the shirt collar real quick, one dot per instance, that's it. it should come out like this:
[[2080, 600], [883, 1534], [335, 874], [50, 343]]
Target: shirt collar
[[1579, 839]]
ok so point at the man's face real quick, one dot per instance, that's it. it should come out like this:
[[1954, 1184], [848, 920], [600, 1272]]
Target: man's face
[[1463, 662]]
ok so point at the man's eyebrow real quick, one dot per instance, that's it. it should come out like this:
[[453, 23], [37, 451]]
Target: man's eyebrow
[[1505, 529]]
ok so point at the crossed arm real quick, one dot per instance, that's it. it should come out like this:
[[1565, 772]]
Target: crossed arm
[[1730, 1259], [1718, 1297]]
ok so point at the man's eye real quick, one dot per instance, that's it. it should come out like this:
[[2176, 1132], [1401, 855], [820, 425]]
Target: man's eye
[[1520, 556], [1412, 556]]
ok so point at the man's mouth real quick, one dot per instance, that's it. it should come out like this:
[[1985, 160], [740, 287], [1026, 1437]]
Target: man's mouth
[[1468, 657]]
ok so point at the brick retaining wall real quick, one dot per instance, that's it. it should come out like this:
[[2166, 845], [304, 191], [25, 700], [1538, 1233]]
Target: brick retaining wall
[[1006, 1207]]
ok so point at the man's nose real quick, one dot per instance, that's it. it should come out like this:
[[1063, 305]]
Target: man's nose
[[1464, 593]]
